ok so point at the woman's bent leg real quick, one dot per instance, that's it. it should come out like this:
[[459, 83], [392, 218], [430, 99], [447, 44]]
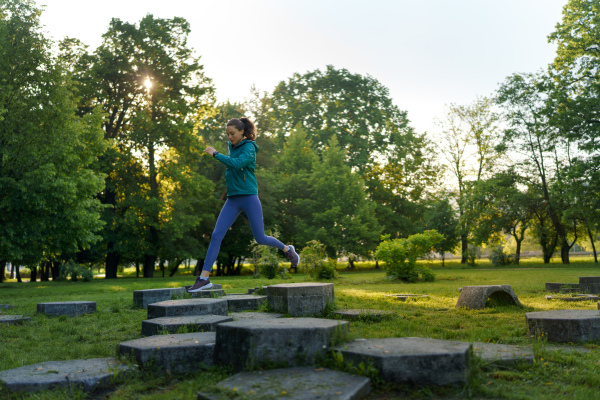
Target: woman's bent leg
[[253, 210], [227, 217]]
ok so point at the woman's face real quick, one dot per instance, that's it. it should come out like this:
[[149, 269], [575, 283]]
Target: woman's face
[[234, 135]]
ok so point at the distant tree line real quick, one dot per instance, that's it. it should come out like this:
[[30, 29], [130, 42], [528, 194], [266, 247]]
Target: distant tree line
[[102, 163]]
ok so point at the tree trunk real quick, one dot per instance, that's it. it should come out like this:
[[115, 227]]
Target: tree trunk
[[45, 271], [112, 262], [33, 273], [518, 252], [12, 271], [465, 247], [351, 264], [199, 266], [564, 251], [161, 267], [376, 264], [443, 259], [593, 245], [2, 269], [55, 269], [238, 269], [149, 263], [137, 268], [175, 268], [18, 273]]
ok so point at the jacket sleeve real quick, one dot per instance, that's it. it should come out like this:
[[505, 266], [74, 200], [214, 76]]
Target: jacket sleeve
[[247, 157]]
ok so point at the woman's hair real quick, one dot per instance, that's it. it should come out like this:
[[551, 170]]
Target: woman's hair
[[244, 124]]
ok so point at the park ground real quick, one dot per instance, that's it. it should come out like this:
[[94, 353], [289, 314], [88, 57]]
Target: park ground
[[554, 374]]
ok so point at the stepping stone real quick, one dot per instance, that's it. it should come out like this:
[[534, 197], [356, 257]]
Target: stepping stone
[[589, 284], [215, 286], [238, 316], [69, 308], [5, 307], [172, 353], [503, 353], [252, 291], [13, 319], [210, 293], [141, 298], [565, 325], [412, 360], [178, 308], [87, 374], [303, 383], [475, 297], [579, 297], [195, 323], [559, 287], [243, 302], [404, 297], [300, 299], [274, 343], [363, 314]]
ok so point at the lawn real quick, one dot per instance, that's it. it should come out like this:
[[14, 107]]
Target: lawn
[[566, 374]]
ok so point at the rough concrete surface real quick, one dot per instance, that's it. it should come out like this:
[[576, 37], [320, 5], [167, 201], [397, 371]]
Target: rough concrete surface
[[503, 353], [215, 286], [412, 360], [475, 297], [68, 308], [300, 299], [141, 298], [565, 325], [88, 374], [254, 315], [554, 287], [243, 302], [13, 319], [194, 323], [212, 293], [589, 284], [177, 308], [363, 314], [305, 383], [579, 297], [281, 342]]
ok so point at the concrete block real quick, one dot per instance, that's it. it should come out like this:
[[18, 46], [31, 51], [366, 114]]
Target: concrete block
[[178, 308], [579, 297], [503, 353], [475, 297], [88, 374], [589, 284], [69, 308], [300, 299], [364, 314], [553, 287], [194, 323], [13, 319], [171, 353], [208, 293], [254, 315], [215, 286], [243, 302], [413, 360], [276, 342], [565, 325], [141, 298], [305, 383]]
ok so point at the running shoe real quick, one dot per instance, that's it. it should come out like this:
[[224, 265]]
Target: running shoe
[[200, 284], [293, 256]]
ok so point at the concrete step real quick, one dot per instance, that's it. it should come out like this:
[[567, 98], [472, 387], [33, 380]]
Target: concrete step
[[503, 353], [243, 302], [172, 353], [13, 319], [250, 315], [68, 308], [275, 343], [194, 323], [215, 286], [412, 360], [178, 308], [305, 383], [565, 325], [589, 284], [88, 374], [300, 299], [142, 298], [211, 293]]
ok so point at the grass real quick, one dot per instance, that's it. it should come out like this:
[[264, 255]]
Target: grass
[[554, 374]]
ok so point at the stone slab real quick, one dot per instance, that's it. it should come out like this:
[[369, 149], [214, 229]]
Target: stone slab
[[88, 374], [503, 353], [305, 383], [210, 293], [243, 302], [215, 286], [13, 319], [475, 297], [253, 315], [579, 297], [178, 308], [565, 325], [172, 353], [281, 342], [589, 284], [194, 323], [413, 360], [554, 287], [363, 314], [68, 308], [300, 299], [142, 298]]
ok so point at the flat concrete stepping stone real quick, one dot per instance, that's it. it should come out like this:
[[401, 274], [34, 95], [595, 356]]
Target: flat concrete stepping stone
[[254, 315], [88, 374], [300, 299], [215, 286], [243, 302], [565, 325], [589, 284], [553, 287], [178, 308], [68, 308], [412, 360], [210, 293], [475, 297], [579, 297], [172, 353], [195, 323], [503, 353], [13, 319], [305, 383], [141, 298], [363, 314], [280, 342], [406, 296]]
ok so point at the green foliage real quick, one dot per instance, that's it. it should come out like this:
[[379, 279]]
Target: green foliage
[[75, 271], [499, 258], [400, 255], [315, 262], [472, 254]]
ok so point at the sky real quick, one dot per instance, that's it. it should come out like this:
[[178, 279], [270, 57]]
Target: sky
[[428, 53]]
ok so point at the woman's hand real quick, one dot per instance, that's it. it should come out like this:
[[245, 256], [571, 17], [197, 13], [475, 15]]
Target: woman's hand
[[209, 150]]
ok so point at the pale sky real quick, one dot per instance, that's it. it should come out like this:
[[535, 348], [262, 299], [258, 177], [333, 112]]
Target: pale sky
[[429, 53]]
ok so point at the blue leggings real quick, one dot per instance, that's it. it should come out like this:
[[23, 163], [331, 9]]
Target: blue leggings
[[229, 213]]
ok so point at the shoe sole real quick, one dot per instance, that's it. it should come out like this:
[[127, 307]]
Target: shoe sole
[[208, 286]]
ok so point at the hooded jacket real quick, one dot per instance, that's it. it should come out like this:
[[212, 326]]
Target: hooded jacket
[[240, 165]]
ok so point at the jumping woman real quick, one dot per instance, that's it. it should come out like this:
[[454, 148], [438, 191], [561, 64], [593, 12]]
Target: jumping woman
[[242, 195]]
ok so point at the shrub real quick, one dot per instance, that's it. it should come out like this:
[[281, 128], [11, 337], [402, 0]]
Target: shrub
[[472, 253], [268, 262], [315, 261], [74, 271], [498, 257], [400, 255]]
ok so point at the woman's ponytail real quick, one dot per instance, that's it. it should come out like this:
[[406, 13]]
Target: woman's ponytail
[[244, 124]]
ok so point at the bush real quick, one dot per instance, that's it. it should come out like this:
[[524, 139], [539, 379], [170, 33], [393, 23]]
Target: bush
[[74, 271], [268, 262], [473, 254], [315, 261], [400, 255], [498, 257]]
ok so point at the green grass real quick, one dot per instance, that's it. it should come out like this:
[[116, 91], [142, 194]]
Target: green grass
[[554, 374]]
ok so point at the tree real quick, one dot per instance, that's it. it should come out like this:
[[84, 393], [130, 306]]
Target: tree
[[441, 217]]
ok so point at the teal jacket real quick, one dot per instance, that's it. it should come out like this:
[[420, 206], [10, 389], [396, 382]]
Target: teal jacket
[[240, 168]]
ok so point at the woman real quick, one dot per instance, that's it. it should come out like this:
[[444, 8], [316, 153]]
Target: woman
[[242, 195]]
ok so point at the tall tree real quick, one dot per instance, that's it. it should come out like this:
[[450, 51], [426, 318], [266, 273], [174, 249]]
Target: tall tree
[[442, 217]]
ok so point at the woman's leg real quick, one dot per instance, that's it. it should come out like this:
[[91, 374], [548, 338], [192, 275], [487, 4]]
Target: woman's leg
[[227, 217], [253, 210]]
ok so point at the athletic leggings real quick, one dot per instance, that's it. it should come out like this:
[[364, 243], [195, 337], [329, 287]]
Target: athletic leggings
[[229, 213]]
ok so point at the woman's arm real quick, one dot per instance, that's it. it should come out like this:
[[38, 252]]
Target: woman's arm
[[247, 157]]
